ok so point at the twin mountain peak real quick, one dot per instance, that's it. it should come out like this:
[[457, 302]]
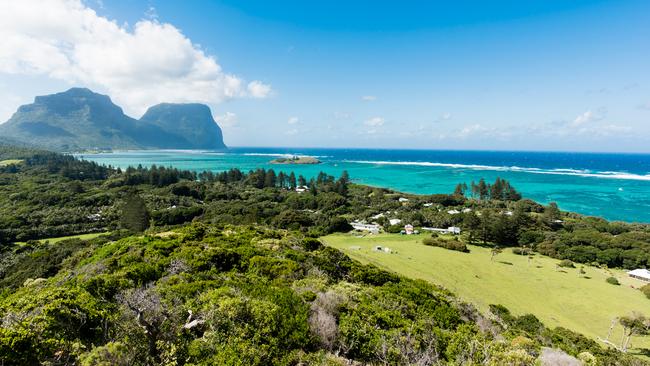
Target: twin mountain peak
[[80, 119]]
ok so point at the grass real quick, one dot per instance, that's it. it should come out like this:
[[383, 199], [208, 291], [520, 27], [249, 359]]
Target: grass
[[61, 238], [559, 297], [10, 162]]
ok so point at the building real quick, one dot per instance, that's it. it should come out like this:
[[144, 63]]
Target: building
[[372, 228], [453, 212], [394, 221], [408, 229], [403, 199], [302, 189], [450, 230], [467, 210], [640, 274]]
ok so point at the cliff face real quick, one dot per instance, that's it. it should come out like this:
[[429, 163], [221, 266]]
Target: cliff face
[[194, 122], [81, 119]]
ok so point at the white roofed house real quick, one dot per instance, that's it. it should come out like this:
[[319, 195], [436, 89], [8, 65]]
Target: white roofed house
[[302, 189], [372, 228], [640, 274], [394, 221]]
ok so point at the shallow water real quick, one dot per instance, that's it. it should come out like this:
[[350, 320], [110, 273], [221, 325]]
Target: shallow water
[[614, 186]]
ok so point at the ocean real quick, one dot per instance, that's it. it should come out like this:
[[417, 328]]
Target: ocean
[[613, 186]]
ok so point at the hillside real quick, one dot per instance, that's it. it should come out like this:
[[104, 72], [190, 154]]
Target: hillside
[[561, 297], [149, 266], [79, 119]]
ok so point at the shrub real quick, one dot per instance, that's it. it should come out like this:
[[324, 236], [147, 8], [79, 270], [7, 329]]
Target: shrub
[[566, 263], [521, 251], [453, 244], [646, 290], [612, 281]]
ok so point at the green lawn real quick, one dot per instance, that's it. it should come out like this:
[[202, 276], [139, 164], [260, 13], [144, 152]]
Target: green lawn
[[558, 297], [80, 236], [10, 162]]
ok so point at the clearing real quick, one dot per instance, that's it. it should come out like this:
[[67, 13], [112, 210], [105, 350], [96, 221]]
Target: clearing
[[559, 297]]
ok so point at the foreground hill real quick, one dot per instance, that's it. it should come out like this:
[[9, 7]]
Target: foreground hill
[[248, 282], [80, 119]]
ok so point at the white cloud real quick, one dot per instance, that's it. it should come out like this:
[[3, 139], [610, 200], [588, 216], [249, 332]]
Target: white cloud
[[368, 98], [588, 117], [293, 120], [227, 120], [291, 132], [374, 122], [471, 130], [445, 116], [151, 62], [257, 89]]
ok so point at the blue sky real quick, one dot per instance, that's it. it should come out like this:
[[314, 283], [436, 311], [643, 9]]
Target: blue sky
[[506, 75]]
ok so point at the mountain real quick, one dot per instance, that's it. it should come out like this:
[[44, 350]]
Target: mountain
[[80, 119], [193, 121]]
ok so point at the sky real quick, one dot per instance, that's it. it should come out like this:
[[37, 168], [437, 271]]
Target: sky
[[498, 75]]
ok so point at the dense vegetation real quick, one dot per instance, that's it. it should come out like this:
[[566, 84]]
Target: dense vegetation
[[247, 282], [206, 295]]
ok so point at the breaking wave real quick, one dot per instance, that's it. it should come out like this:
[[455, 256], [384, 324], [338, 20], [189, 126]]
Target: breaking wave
[[562, 171]]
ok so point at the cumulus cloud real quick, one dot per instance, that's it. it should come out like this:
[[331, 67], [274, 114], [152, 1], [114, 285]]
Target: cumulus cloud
[[368, 98], [374, 122], [293, 120], [588, 117], [227, 120], [138, 66], [291, 132]]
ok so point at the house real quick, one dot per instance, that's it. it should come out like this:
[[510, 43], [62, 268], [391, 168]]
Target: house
[[453, 212], [640, 274], [377, 216], [408, 229], [402, 199], [394, 221], [466, 210], [428, 204], [302, 189], [372, 228], [450, 230]]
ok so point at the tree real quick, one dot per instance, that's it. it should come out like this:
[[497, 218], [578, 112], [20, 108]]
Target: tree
[[472, 224], [483, 189], [495, 251], [551, 213], [301, 180], [292, 181], [635, 324], [459, 190], [269, 178], [135, 215]]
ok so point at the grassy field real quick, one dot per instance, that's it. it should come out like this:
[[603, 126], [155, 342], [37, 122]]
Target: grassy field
[[81, 236], [10, 161], [559, 297]]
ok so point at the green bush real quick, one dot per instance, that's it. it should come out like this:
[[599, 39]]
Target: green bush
[[566, 263], [453, 244], [646, 290], [612, 281]]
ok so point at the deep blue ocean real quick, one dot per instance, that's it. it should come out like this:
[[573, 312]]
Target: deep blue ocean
[[613, 186]]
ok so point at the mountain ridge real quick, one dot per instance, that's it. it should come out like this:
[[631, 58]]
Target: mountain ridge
[[80, 119]]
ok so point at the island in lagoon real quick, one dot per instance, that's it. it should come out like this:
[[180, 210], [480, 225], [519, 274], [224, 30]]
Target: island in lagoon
[[301, 160]]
